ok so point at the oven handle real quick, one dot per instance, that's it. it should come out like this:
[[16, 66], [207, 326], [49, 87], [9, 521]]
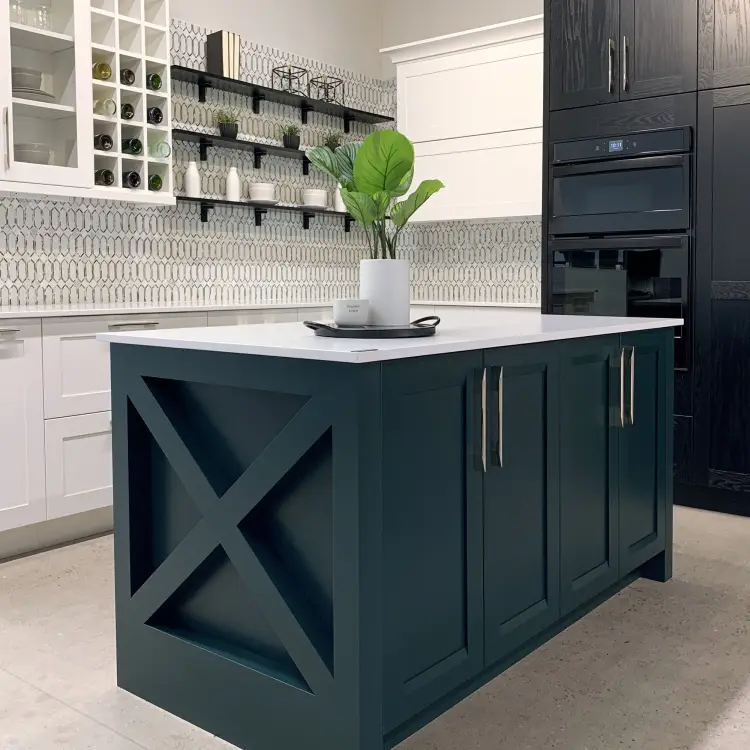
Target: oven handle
[[622, 165], [619, 242]]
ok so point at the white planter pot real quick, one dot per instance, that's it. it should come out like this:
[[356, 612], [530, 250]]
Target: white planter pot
[[385, 283], [338, 201]]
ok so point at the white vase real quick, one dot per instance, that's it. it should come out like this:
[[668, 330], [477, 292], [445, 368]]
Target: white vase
[[193, 181], [233, 185], [338, 201], [385, 283]]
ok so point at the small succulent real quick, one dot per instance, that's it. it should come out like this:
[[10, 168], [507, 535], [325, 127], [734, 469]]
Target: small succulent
[[289, 130], [227, 116], [333, 141]]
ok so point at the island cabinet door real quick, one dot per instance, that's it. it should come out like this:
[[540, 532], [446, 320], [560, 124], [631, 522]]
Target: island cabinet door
[[589, 430], [644, 448], [521, 497], [432, 530]]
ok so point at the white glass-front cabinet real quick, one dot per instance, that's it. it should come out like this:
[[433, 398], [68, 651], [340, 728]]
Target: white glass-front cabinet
[[46, 93]]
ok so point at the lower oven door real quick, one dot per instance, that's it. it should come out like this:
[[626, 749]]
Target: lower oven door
[[621, 196], [643, 277]]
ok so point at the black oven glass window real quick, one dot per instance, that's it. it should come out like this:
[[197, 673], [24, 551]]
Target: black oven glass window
[[629, 191]]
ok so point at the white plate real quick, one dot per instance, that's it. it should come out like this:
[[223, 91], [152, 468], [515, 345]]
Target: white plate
[[263, 202], [24, 93], [314, 205]]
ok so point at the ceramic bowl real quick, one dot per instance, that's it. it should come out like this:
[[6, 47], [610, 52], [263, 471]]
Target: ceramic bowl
[[262, 191], [32, 153], [315, 198], [26, 78]]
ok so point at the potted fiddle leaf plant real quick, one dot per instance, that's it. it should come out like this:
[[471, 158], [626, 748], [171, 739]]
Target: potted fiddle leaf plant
[[375, 177], [290, 136], [228, 122]]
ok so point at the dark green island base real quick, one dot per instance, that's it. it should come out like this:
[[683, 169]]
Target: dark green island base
[[326, 555]]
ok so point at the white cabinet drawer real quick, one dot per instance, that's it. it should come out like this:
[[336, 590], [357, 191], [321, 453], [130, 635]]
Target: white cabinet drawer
[[76, 365], [79, 464], [253, 317], [22, 491]]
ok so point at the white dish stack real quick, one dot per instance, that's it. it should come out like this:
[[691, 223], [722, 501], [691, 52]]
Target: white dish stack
[[133, 35]]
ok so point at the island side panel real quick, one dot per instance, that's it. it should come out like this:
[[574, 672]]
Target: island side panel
[[247, 554]]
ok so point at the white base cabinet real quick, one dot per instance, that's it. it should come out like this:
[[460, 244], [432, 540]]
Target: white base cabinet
[[78, 453], [22, 486]]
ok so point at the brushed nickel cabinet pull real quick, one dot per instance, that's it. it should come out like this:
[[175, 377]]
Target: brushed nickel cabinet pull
[[7, 331], [611, 56], [138, 324], [625, 77], [484, 420], [632, 385], [8, 125], [500, 405], [622, 387]]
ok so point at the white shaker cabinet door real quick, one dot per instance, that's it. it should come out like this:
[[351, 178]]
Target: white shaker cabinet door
[[252, 317], [79, 464], [76, 365], [22, 487]]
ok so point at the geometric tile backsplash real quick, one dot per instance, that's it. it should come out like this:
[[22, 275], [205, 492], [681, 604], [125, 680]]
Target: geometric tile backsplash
[[78, 250]]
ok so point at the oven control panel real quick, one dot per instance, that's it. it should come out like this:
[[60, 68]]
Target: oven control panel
[[647, 143]]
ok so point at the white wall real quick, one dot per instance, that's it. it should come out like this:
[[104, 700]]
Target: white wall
[[346, 33]]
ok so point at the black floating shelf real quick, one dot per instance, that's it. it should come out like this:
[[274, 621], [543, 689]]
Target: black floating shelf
[[259, 150], [263, 93], [259, 209]]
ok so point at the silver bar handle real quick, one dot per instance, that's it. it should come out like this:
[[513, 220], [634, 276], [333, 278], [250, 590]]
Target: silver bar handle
[[632, 385], [8, 331], [8, 126], [500, 406], [622, 387], [625, 77], [611, 56], [484, 420], [136, 325]]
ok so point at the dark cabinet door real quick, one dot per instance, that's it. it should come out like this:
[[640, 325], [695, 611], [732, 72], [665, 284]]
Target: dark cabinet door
[[721, 435], [589, 411], [723, 43], [432, 530], [583, 64], [658, 47], [644, 455], [521, 497]]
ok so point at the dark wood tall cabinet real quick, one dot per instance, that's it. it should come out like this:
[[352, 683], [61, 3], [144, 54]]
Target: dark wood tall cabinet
[[724, 43]]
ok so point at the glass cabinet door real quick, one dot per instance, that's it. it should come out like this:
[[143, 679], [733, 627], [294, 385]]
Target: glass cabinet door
[[45, 92]]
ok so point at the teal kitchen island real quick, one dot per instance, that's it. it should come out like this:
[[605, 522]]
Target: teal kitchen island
[[325, 543]]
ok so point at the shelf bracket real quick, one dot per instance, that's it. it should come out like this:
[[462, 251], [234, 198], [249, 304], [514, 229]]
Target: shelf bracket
[[348, 223], [306, 216], [205, 208], [203, 86], [259, 216], [348, 120], [305, 165], [204, 144], [257, 99], [304, 109], [258, 154]]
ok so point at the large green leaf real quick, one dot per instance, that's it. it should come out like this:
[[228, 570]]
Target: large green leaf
[[325, 160], [382, 162], [402, 212], [403, 188], [382, 200], [345, 156], [362, 207]]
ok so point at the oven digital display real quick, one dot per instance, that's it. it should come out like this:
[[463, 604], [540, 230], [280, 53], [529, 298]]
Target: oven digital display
[[616, 146]]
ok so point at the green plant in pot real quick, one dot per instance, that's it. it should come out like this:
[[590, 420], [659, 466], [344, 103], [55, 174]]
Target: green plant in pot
[[227, 121], [375, 178], [332, 141], [290, 136]]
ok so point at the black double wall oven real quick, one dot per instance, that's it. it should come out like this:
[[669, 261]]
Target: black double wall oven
[[619, 213]]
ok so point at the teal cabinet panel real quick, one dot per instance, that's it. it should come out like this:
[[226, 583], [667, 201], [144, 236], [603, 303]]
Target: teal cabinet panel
[[643, 444], [521, 498], [432, 538], [589, 399]]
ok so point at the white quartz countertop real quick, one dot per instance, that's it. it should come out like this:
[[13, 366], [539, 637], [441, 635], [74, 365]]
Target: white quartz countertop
[[8, 312], [506, 328]]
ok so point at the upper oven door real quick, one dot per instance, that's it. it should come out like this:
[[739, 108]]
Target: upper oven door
[[637, 277], [647, 194]]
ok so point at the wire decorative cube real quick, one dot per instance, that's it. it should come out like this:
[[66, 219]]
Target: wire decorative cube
[[327, 89], [290, 78]]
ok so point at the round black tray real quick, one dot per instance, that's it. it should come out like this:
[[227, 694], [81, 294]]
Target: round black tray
[[416, 329]]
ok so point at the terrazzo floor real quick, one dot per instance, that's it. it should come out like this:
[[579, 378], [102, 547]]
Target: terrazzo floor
[[658, 667]]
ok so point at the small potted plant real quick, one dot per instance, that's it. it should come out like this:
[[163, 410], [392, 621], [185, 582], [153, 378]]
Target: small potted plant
[[332, 141], [227, 120], [375, 178], [290, 135]]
